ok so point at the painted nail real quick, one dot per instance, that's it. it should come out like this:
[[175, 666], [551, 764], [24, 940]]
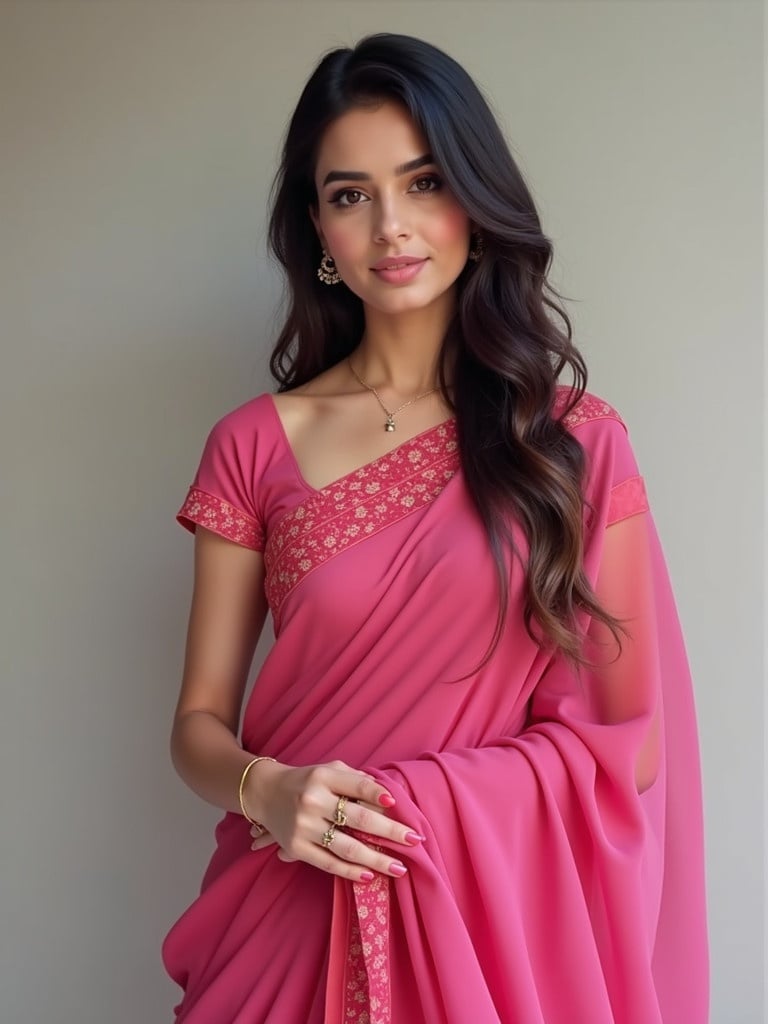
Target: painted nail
[[398, 869], [386, 800], [414, 837], [366, 876]]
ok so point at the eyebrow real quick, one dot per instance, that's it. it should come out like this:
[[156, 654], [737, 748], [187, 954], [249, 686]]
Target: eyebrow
[[406, 168]]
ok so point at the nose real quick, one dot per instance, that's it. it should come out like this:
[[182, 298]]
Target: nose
[[391, 220]]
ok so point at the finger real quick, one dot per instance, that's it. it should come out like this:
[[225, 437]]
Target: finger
[[324, 784], [263, 841], [372, 792], [371, 823], [358, 786], [343, 766], [369, 807], [327, 861], [346, 852], [365, 817]]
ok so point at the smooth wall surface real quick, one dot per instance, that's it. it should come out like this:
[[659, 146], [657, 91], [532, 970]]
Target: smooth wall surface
[[138, 142]]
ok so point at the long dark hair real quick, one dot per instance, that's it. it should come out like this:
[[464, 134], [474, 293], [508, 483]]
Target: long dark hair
[[508, 352]]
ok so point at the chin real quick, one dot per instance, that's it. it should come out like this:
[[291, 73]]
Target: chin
[[402, 306], [404, 300]]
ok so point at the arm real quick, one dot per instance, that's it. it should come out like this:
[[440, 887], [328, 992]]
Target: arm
[[296, 803], [226, 618], [625, 685]]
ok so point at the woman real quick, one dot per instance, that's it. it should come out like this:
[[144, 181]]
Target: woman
[[468, 786]]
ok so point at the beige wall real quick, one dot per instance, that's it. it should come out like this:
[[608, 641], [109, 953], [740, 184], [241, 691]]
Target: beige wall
[[138, 140]]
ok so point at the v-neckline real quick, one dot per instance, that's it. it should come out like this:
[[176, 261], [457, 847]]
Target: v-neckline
[[337, 481]]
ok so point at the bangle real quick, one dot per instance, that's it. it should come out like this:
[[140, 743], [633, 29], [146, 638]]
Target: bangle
[[242, 783]]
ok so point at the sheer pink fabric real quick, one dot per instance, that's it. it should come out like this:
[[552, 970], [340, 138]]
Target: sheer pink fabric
[[562, 876]]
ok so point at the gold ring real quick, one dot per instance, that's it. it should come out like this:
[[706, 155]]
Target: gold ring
[[328, 836], [340, 817]]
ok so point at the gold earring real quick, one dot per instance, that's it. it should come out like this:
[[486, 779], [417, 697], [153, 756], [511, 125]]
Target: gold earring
[[327, 271], [477, 248]]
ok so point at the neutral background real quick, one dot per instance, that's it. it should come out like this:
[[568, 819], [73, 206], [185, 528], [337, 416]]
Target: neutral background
[[138, 143]]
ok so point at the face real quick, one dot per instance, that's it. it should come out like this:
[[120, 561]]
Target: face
[[398, 236]]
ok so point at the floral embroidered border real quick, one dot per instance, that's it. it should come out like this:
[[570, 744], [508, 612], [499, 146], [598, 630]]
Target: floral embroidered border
[[589, 408], [367, 980], [216, 514], [358, 506], [375, 496]]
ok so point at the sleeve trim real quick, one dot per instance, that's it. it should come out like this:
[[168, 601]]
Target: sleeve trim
[[627, 499], [586, 410], [216, 514]]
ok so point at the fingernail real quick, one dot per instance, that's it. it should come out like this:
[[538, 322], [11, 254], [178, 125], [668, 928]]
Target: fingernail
[[366, 876], [414, 837], [386, 800], [398, 869]]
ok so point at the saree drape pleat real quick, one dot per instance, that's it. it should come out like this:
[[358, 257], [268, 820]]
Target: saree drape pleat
[[561, 880]]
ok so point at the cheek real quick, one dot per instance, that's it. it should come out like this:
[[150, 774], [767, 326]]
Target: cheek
[[343, 238], [451, 227]]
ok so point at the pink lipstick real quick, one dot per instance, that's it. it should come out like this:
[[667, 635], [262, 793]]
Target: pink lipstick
[[398, 269]]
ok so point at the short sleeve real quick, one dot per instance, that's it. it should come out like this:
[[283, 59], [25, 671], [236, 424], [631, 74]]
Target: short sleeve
[[221, 496], [615, 484]]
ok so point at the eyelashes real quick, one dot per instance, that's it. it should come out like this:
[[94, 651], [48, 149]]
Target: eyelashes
[[337, 199], [343, 197], [433, 179]]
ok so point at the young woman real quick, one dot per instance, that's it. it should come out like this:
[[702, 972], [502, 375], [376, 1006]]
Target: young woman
[[467, 783]]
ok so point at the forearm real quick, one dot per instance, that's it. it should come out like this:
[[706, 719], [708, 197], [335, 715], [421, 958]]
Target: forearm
[[207, 756]]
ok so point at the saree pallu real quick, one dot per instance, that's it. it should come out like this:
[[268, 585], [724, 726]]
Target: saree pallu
[[561, 881]]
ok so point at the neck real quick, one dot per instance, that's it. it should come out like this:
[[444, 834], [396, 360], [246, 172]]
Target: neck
[[402, 353]]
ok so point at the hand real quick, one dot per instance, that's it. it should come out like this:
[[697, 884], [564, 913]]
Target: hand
[[262, 837], [298, 805]]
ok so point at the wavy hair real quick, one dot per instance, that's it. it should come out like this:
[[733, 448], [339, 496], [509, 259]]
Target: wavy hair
[[508, 350]]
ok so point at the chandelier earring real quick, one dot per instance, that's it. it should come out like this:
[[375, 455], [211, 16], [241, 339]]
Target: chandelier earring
[[327, 271], [477, 248]]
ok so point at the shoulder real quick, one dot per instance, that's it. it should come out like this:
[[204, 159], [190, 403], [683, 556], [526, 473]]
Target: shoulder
[[244, 418], [589, 409], [245, 436], [603, 435], [247, 428]]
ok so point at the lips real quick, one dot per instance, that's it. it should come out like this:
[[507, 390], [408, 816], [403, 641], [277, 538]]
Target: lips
[[397, 262], [398, 269]]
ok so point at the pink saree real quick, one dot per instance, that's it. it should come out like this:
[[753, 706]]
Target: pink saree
[[561, 881]]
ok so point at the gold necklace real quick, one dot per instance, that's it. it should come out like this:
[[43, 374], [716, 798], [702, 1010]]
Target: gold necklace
[[390, 422]]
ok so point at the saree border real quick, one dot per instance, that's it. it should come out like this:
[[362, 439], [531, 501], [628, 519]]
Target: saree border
[[359, 980], [358, 506]]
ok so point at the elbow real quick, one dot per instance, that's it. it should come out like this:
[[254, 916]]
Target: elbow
[[645, 776], [177, 744], [173, 749], [648, 763]]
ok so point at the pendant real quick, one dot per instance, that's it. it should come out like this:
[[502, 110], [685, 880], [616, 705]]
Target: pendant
[[389, 426]]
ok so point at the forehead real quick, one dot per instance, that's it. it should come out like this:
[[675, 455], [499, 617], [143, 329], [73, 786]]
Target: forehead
[[375, 139]]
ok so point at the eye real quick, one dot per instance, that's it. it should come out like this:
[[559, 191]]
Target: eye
[[347, 197], [427, 183]]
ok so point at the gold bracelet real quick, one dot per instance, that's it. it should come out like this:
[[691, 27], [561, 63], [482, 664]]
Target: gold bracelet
[[242, 783]]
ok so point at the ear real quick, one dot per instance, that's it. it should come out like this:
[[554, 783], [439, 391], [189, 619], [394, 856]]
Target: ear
[[316, 221]]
